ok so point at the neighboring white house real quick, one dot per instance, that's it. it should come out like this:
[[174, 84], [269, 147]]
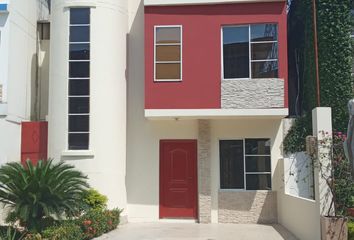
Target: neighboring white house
[[19, 43]]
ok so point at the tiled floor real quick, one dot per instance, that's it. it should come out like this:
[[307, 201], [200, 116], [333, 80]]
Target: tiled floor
[[194, 231]]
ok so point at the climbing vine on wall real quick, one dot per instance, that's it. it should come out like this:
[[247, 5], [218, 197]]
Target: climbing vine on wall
[[335, 58]]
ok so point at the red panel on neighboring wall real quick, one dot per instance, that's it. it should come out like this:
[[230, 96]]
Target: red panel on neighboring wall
[[34, 141], [201, 84]]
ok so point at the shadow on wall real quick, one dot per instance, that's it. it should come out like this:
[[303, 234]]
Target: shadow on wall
[[3, 19], [138, 169]]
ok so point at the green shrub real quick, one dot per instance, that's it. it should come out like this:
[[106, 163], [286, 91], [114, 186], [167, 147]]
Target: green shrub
[[10, 233], [94, 200], [69, 230], [96, 222], [34, 193], [351, 230], [33, 236]]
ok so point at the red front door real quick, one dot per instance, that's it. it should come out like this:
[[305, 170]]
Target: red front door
[[178, 179]]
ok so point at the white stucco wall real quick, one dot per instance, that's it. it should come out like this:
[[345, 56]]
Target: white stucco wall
[[298, 175], [105, 162], [17, 73]]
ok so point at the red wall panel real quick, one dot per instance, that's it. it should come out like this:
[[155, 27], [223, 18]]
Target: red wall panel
[[201, 84], [34, 141]]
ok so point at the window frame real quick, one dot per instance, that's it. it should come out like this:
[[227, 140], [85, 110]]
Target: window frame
[[250, 61], [244, 189], [181, 53], [78, 79]]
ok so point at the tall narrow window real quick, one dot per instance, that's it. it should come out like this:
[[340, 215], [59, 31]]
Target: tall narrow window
[[250, 51], [168, 53], [79, 79]]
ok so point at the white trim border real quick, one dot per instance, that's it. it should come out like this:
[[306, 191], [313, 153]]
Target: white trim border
[[169, 114], [199, 2]]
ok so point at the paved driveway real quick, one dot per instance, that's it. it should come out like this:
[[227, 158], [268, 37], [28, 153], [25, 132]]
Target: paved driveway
[[194, 231]]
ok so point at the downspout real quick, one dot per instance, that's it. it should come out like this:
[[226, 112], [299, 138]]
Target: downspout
[[315, 43]]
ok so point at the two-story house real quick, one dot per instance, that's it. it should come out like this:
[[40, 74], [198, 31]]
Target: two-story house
[[215, 94]]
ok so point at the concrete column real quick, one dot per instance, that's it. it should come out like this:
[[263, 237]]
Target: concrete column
[[204, 174], [322, 129]]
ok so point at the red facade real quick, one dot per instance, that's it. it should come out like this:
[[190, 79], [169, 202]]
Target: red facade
[[200, 87]]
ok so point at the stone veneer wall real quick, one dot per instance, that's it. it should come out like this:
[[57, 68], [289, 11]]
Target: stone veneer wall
[[204, 174], [252, 93], [248, 207]]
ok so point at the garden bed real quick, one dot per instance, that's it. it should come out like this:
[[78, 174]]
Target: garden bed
[[52, 201]]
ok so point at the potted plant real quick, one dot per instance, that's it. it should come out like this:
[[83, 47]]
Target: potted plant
[[334, 168]]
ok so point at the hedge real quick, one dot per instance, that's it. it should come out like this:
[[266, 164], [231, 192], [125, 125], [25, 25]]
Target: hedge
[[335, 58]]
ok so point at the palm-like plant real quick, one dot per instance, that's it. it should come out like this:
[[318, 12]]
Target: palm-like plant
[[35, 193]]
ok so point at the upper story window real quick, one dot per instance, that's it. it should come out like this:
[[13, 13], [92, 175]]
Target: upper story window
[[250, 51], [79, 79], [245, 164], [168, 53]]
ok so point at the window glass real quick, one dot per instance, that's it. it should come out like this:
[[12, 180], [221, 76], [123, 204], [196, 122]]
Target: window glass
[[80, 51], [168, 53], [168, 35], [258, 146], [168, 71], [258, 182], [265, 69], [258, 164], [79, 16], [231, 164], [264, 51], [78, 141], [236, 52], [78, 87], [79, 69], [79, 105], [79, 34], [78, 123], [264, 32]]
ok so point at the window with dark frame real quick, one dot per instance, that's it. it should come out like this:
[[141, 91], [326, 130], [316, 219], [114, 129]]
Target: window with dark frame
[[245, 164], [168, 53], [250, 51], [79, 79]]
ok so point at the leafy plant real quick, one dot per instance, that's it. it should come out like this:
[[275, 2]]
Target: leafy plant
[[68, 230], [96, 222], [335, 169], [33, 236], [35, 193], [94, 200], [10, 233], [351, 230]]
